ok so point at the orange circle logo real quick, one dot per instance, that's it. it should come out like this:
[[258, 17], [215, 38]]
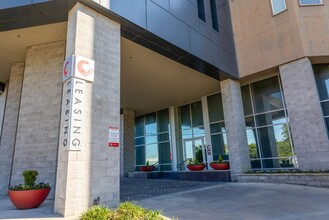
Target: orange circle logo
[[85, 68]]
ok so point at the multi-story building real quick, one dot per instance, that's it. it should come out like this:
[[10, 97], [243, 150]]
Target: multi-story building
[[245, 80]]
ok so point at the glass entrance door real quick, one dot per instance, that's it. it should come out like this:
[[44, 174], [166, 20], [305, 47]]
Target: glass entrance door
[[195, 149]]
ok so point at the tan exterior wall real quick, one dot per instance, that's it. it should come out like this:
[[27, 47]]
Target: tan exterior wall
[[264, 41]]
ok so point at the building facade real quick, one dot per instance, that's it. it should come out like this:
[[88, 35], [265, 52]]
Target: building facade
[[174, 79]]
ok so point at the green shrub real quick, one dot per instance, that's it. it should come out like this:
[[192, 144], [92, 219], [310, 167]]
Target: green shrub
[[125, 211], [96, 212], [30, 176]]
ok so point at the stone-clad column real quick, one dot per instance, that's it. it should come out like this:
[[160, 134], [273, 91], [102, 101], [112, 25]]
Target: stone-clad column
[[128, 143], [93, 172], [235, 127], [10, 125], [306, 121]]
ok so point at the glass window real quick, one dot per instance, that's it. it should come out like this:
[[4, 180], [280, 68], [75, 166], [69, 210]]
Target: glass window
[[164, 153], [217, 128], [184, 117], [214, 17], [139, 126], [310, 2], [150, 124], [215, 108], [140, 156], [219, 145], [322, 80], [152, 153], [163, 120], [151, 134], [267, 125], [246, 99], [267, 95], [201, 10], [278, 6], [271, 118], [197, 117]]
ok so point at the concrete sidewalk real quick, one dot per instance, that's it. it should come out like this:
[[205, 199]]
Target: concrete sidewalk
[[207, 201], [244, 201]]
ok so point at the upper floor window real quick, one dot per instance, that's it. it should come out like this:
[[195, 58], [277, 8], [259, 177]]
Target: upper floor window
[[201, 10], [278, 6], [310, 2], [214, 17]]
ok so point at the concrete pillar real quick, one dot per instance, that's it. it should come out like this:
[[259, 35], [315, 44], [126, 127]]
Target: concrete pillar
[[306, 120], [235, 127], [128, 143], [9, 128], [93, 172], [39, 114]]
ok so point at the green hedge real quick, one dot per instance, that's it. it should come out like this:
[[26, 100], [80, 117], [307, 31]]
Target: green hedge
[[125, 211]]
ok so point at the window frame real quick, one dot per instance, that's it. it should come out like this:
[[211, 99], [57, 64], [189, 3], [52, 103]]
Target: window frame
[[279, 12], [312, 4]]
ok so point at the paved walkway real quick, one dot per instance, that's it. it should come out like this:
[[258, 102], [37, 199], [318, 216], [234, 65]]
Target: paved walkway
[[208, 200], [244, 201]]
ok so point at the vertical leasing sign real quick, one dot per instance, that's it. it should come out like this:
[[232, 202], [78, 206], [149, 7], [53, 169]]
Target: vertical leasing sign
[[76, 71]]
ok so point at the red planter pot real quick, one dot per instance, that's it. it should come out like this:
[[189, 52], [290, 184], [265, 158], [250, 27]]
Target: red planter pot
[[146, 168], [28, 199], [220, 166], [196, 167]]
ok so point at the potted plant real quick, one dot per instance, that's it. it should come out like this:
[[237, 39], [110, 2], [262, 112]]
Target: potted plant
[[195, 165], [220, 164], [29, 195], [147, 167]]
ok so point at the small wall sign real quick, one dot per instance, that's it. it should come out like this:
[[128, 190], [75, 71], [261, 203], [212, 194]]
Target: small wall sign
[[114, 137]]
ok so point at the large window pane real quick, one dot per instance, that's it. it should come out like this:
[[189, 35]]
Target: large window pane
[[219, 145], [152, 153], [253, 149], [271, 118], [267, 95], [250, 123], [217, 128], [215, 108], [151, 139], [163, 120], [310, 2], [198, 132], [278, 6], [140, 156], [140, 141], [184, 117], [139, 126], [322, 80], [246, 99], [164, 153], [325, 108], [197, 117], [163, 137], [150, 124]]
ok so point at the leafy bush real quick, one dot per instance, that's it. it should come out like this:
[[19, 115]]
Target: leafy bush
[[96, 212], [125, 211], [30, 176]]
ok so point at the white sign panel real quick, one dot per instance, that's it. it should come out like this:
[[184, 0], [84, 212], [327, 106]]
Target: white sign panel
[[114, 136], [84, 68], [74, 92], [68, 68], [78, 67]]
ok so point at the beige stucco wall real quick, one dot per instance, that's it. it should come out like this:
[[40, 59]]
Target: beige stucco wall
[[264, 41]]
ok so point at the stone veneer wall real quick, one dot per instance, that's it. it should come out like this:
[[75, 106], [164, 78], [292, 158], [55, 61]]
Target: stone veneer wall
[[128, 141], [9, 128], [93, 172], [38, 124], [308, 130]]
